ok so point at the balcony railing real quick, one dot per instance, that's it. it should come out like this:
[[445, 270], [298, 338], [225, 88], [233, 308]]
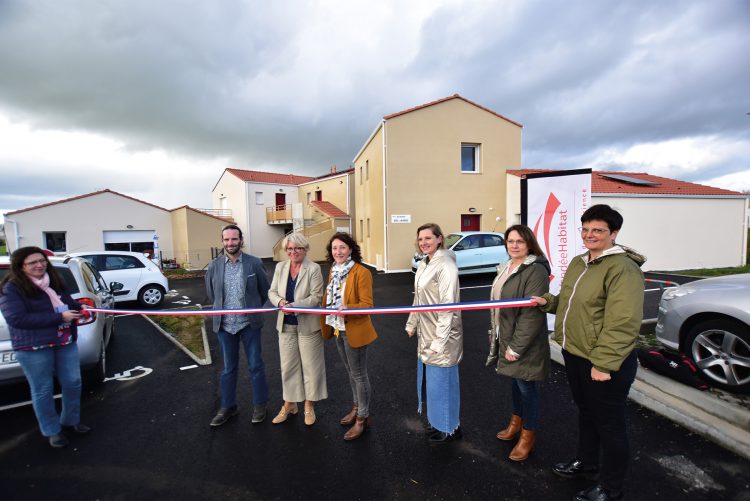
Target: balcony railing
[[223, 213], [279, 214]]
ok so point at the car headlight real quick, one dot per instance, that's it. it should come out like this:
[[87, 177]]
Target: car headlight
[[683, 290]]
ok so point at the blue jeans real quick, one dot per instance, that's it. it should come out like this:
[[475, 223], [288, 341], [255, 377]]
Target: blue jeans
[[526, 402], [230, 348], [441, 385], [40, 367]]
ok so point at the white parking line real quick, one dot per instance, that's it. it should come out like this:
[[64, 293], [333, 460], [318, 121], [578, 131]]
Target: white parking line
[[21, 404]]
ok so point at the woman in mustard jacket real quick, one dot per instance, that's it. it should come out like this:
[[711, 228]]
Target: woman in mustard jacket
[[350, 286]]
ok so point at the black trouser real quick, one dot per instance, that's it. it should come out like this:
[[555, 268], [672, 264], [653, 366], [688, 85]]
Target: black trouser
[[601, 417]]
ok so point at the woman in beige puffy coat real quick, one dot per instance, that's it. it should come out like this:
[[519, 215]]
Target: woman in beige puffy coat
[[439, 334]]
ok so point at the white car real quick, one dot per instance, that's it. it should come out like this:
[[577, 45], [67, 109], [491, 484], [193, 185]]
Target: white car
[[476, 251], [142, 280], [86, 286]]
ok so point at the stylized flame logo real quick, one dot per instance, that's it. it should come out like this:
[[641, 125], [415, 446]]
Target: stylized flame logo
[[547, 216]]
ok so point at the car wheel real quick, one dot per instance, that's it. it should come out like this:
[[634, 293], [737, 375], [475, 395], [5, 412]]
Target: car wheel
[[720, 350], [151, 296]]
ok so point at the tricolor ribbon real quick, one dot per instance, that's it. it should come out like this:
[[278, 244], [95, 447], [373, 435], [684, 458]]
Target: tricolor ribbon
[[383, 310]]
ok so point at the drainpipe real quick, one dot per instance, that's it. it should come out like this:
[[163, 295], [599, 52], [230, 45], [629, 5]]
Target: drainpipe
[[15, 232], [385, 200]]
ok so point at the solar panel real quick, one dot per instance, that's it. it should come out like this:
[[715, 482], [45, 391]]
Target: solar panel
[[631, 180]]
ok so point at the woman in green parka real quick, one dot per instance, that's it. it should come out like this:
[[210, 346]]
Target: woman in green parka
[[598, 317], [519, 343]]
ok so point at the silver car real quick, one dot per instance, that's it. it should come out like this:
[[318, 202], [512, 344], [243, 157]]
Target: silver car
[[85, 285], [476, 251], [709, 321]]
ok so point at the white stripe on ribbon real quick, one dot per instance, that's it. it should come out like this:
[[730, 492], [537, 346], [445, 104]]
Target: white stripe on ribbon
[[478, 305]]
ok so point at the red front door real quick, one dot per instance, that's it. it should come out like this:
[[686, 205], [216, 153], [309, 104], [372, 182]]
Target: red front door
[[280, 200], [470, 222]]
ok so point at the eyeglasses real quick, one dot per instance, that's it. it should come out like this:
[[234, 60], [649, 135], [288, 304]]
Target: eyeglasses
[[295, 249], [34, 263], [593, 231], [515, 242]]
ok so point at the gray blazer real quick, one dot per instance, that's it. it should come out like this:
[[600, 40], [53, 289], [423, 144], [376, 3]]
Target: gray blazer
[[307, 293], [256, 287]]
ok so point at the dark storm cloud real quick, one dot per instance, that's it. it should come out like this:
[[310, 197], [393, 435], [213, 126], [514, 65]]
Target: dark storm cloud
[[263, 85]]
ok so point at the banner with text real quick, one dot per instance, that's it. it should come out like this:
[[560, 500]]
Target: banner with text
[[551, 205]]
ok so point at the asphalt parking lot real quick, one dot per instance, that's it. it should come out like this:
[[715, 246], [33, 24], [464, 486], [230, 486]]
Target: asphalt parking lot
[[151, 437]]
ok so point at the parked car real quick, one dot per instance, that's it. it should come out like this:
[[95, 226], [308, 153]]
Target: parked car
[[476, 251], [709, 321], [85, 285], [142, 280]]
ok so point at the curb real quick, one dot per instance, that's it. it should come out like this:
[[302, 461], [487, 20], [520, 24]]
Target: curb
[[199, 361], [699, 411]]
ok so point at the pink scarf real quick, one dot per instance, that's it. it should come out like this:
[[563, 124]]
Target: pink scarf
[[43, 283]]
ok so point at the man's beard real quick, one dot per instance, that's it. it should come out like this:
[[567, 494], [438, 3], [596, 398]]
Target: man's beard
[[236, 250]]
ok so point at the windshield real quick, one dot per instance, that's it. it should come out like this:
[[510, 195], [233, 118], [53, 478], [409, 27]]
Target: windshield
[[451, 239]]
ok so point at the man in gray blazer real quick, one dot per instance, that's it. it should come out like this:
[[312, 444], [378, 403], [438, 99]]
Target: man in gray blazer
[[237, 280]]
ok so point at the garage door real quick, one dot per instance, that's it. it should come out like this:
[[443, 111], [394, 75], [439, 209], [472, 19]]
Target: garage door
[[133, 241]]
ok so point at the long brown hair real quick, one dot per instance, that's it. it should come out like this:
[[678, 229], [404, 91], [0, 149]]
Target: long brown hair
[[20, 279], [349, 241], [528, 237]]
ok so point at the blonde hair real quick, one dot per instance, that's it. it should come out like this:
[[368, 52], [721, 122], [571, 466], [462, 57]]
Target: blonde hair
[[297, 239]]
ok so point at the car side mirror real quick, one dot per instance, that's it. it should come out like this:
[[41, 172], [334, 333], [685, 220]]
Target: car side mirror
[[459, 247], [115, 286]]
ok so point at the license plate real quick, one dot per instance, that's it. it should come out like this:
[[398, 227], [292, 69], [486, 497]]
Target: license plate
[[7, 357]]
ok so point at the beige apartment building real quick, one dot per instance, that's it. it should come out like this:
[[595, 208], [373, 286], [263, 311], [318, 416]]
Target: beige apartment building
[[442, 162]]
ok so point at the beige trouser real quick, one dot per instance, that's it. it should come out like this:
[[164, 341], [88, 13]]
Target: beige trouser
[[303, 365]]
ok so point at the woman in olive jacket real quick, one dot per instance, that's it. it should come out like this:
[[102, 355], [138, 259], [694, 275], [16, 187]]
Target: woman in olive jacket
[[519, 342], [598, 317]]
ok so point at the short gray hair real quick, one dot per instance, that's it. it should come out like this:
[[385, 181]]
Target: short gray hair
[[297, 239]]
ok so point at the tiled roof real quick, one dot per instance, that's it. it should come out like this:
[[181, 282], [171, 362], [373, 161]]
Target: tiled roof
[[454, 96], [328, 209], [662, 185], [79, 197], [269, 177]]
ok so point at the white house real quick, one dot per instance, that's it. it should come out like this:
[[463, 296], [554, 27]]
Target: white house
[[107, 220], [676, 224], [249, 196]]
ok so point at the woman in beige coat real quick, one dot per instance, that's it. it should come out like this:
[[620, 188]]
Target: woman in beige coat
[[299, 282], [440, 345]]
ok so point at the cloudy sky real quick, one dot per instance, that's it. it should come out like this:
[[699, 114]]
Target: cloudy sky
[[155, 98]]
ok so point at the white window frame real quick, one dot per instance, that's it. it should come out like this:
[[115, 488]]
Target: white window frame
[[477, 158], [259, 198]]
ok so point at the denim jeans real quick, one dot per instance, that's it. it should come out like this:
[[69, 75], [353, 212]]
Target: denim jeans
[[526, 402], [230, 348], [443, 390], [601, 417], [40, 367], [355, 361]]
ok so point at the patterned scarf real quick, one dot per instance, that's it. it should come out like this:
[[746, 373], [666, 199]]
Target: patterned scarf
[[43, 283], [334, 297]]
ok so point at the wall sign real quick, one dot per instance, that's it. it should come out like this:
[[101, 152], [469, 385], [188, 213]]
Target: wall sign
[[400, 218]]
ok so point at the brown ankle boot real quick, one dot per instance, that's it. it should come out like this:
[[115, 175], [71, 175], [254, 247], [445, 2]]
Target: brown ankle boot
[[511, 430], [524, 446], [349, 419], [356, 431]]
